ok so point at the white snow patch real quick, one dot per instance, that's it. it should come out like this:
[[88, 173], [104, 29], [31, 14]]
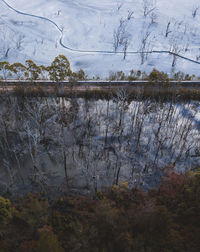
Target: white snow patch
[[90, 25]]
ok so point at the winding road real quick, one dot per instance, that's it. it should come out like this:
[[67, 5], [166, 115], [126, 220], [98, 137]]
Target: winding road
[[95, 51]]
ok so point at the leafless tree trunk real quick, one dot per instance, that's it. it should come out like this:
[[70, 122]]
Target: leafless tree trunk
[[148, 7], [167, 32]]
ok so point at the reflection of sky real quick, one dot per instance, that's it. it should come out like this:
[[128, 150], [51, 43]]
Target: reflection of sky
[[187, 112], [102, 135]]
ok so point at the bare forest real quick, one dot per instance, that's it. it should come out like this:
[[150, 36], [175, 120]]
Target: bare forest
[[85, 145]]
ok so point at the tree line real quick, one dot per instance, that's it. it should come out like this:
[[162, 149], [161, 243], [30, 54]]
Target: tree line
[[164, 219], [60, 70]]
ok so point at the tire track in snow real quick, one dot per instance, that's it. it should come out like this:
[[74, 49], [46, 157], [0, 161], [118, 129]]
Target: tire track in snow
[[95, 51]]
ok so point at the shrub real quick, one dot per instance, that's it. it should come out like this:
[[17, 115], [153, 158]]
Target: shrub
[[80, 75], [157, 76], [6, 211], [33, 210], [117, 76], [48, 241]]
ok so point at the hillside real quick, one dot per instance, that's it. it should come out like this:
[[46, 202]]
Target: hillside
[[87, 32]]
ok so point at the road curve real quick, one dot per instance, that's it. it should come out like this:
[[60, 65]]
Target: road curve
[[94, 51]]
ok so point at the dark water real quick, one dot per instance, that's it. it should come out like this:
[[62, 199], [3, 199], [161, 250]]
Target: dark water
[[80, 145]]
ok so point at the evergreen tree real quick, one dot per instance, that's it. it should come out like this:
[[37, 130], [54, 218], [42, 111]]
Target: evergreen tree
[[59, 69]]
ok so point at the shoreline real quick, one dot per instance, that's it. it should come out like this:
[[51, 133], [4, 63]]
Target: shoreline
[[183, 90]]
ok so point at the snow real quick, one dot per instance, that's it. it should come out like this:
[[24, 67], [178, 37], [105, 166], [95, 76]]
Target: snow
[[89, 25]]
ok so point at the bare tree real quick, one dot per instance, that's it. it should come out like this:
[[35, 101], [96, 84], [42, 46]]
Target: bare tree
[[125, 47], [153, 17], [6, 41], [145, 46], [175, 49], [19, 41], [195, 11], [176, 38], [130, 15], [121, 37], [148, 7], [119, 6], [119, 34], [167, 32]]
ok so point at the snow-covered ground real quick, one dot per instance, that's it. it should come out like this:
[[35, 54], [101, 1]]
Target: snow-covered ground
[[92, 25]]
